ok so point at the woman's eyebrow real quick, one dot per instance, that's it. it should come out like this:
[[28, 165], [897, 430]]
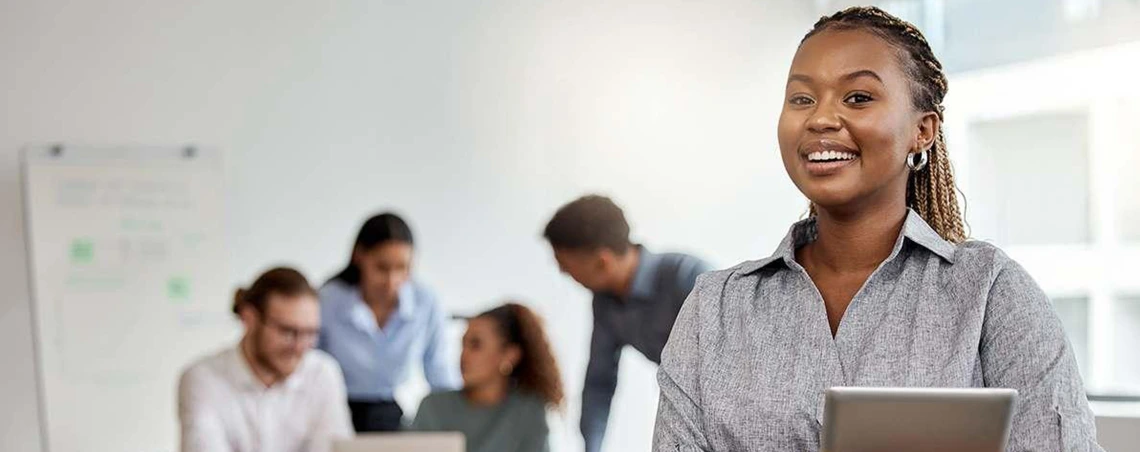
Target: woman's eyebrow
[[861, 73], [799, 78], [846, 78]]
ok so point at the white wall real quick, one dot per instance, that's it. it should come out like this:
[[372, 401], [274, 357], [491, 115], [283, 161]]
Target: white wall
[[475, 119]]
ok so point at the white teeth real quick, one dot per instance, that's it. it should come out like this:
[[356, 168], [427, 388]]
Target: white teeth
[[830, 155]]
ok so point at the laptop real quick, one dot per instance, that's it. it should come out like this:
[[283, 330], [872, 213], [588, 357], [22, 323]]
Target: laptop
[[917, 419], [403, 442]]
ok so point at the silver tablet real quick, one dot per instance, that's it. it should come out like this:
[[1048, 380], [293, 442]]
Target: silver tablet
[[402, 442], [917, 419]]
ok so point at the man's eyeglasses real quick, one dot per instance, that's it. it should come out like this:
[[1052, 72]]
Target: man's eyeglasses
[[291, 334]]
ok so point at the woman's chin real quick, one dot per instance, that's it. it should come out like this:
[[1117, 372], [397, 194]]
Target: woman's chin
[[473, 382], [831, 201]]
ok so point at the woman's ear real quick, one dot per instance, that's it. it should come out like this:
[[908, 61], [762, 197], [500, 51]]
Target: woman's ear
[[514, 355], [928, 126]]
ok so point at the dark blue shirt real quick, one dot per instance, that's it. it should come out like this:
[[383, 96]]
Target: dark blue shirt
[[643, 320]]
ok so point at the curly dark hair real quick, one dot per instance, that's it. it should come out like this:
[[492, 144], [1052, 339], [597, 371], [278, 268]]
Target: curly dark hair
[[537, 371]]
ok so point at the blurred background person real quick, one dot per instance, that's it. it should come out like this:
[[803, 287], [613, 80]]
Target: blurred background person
[[510, 379], [379, 321], [637, 294], [271, 391]]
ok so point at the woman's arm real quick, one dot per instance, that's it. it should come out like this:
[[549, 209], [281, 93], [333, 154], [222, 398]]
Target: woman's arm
[[679, 426], [1025, 348], [440, 369]]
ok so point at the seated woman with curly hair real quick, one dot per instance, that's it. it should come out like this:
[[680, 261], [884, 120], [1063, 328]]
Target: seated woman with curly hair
[[510, 378]]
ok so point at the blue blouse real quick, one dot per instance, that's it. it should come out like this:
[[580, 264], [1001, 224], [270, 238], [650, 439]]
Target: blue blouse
[[376, 359]]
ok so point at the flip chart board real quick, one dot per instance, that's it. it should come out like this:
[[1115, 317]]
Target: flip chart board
[[127, 278]]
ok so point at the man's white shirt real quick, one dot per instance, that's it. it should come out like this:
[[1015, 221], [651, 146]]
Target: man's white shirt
[[223, 407]]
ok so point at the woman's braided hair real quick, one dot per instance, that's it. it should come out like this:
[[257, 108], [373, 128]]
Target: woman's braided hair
[[931, 191]]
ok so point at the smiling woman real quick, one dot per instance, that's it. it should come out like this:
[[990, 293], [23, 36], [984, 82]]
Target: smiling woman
[[915, 73], [879, 287]]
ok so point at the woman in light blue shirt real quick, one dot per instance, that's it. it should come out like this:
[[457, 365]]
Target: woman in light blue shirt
[[378, 322]]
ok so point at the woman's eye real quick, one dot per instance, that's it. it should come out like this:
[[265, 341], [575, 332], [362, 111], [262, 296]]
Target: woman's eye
[[858, 98], [800, 100]]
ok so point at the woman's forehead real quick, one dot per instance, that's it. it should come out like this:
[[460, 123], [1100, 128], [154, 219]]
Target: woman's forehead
[[480, 325], [832, 54]]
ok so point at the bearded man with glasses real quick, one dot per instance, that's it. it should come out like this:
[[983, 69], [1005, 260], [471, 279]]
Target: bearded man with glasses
[[272, 392]]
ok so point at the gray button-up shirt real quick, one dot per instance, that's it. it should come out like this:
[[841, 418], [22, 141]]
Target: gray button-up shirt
[[751, 354], [642, 319]]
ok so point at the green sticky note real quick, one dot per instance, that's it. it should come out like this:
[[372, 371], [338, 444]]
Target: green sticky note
[[82, 251], [178, 288]]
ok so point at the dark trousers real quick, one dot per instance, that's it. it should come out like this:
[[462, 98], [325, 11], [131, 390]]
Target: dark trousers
[[376, 415]]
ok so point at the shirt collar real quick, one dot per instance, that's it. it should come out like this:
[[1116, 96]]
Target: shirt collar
[[915, 229], [242, 374], [918, 231], [363, 316], [644, 276]]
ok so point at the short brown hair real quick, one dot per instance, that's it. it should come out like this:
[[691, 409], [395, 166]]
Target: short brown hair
[[589, 223], [281, 281]]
